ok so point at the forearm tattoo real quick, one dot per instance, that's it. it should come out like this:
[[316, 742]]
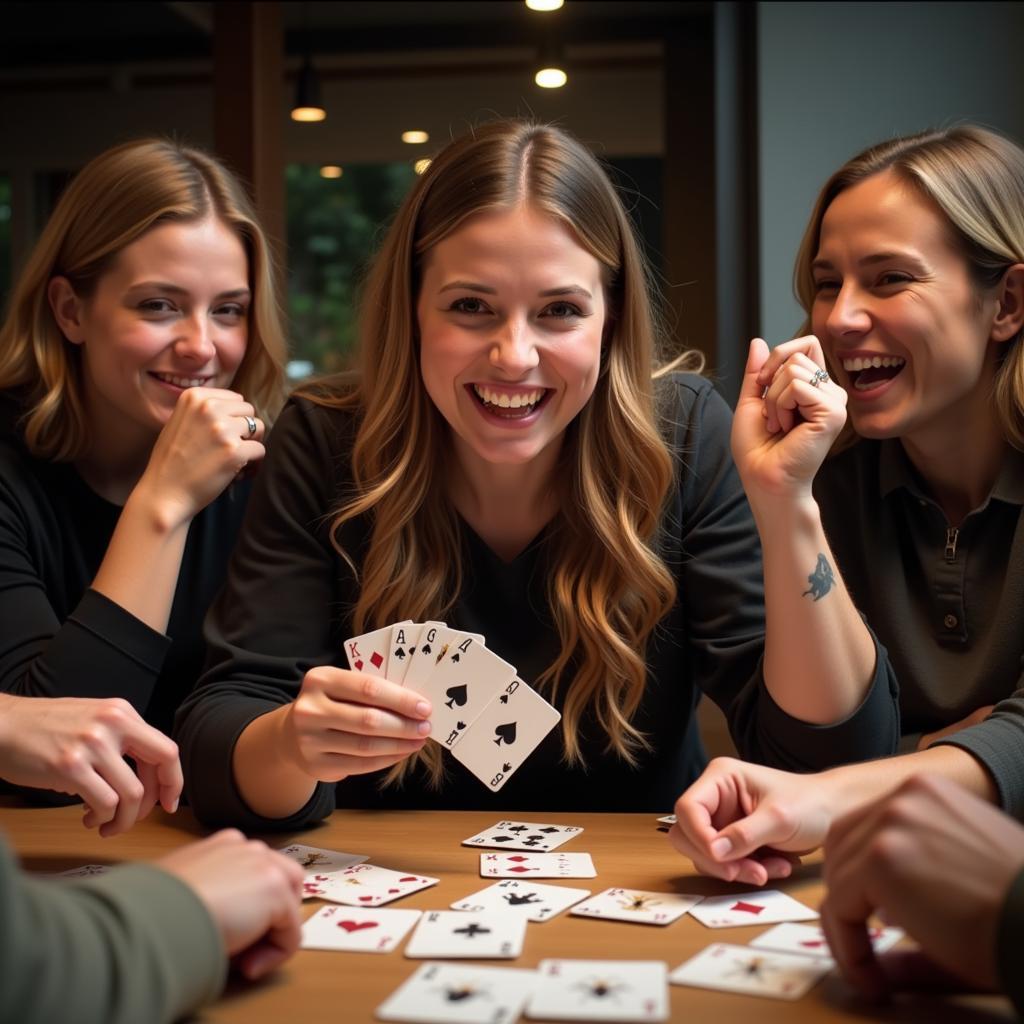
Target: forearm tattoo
[[821, 580]]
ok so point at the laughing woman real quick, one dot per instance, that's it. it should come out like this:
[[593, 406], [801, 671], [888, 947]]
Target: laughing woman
[[504, 462], [139, 362], [912, 275]]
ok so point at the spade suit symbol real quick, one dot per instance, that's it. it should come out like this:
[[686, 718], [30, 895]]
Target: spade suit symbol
[[458, 694], [503, 698], [399, 653], [456, 657], [506, 733], [506, 767]]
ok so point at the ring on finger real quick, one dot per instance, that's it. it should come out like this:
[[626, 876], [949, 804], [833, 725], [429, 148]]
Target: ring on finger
[[820, 377], [250, 424]]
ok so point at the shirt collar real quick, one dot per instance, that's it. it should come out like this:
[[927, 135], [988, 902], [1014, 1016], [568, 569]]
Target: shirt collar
[[895, 470]]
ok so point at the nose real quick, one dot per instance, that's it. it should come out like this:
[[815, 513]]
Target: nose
[[513, 350], [195, 342], [849, 314]]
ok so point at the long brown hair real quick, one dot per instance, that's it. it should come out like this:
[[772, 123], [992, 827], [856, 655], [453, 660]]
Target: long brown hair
[[976, 178], [114, 200], [608, 588]]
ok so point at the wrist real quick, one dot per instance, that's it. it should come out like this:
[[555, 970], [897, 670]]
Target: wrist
[[161, 514], [790, 513]]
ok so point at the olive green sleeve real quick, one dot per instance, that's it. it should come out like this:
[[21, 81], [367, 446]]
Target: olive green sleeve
[[132, 945]]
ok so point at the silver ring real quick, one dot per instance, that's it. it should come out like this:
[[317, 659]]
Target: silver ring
[[251, 424], [820, 377]]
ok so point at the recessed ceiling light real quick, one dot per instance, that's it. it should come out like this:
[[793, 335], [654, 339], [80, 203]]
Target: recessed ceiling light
[[551, 78], [415, 137]]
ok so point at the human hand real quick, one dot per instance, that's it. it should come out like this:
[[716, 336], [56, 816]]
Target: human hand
[[77, 745], [928, 738], [779, 441], [252, 893], [938, 862], [201, 449], [349, 723], [747, 823]]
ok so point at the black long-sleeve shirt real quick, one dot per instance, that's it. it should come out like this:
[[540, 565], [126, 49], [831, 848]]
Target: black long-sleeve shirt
[[287, 603]]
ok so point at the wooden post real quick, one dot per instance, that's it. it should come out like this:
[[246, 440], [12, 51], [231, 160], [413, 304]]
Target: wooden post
[[248, 83]]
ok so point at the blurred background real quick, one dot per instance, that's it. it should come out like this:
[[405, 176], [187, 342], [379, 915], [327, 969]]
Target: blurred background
[[719, 121]]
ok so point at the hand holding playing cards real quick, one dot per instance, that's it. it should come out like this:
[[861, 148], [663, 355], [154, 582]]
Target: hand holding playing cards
[[78, 745], [253, 894], [348, 723], [747, 823], [939, 862]]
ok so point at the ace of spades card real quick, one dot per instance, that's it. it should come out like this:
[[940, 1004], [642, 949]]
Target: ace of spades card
[[506, 732], [464, 678]]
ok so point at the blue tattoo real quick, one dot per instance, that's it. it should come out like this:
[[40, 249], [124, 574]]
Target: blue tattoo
[[820, 580]]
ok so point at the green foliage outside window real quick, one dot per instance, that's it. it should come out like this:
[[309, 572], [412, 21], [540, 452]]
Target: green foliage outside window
[[334, 228]]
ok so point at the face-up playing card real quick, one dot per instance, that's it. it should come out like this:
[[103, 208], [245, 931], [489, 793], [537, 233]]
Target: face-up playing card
[[809, 940], [357, 929], [618, 990], [445, 933], [537, 865], [523, 835], [421, 655], [753, 972], [369, 652], [532, 901], [85, 871], [398, 649], [637, 906], [460, 994], [464, 679], [319, 862], [767, 906], [366, 885], [505, 733]]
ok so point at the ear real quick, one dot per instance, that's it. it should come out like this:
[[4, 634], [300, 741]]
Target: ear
[[67, 309], [1009, 319]]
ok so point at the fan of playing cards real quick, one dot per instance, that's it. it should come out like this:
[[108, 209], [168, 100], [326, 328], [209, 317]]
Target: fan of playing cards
[[489, 718]]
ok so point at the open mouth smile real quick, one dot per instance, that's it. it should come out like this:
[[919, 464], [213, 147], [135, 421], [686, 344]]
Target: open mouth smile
[[509, 404], [869, 372], [180, 382]]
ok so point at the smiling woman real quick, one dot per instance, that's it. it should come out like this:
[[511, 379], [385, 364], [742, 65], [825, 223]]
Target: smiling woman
[[138, 367]]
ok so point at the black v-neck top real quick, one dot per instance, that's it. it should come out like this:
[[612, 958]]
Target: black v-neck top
[[58, 637], [287, 603]]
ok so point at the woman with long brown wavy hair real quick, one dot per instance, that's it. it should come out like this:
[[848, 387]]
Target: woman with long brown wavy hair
[[504, 460], [140, 358]]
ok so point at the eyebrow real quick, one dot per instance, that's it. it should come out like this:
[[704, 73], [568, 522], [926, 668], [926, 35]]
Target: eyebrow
[[472, 286], [176, 289], [868, 261]]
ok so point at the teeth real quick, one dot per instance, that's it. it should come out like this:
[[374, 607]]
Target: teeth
[[505, 401], [181, 382], [855, 365]]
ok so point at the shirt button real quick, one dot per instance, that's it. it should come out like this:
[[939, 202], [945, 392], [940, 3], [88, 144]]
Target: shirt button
[[950, 622]]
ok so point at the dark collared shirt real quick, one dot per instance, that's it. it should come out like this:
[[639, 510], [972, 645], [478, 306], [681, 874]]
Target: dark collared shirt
[[948, 604]]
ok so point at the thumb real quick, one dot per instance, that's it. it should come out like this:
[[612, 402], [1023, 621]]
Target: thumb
[[764, 826], [757, 356]]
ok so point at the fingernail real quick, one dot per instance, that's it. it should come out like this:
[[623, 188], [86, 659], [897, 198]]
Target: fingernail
[[721, 847], [423, 708], [174, 809], [423, 728]]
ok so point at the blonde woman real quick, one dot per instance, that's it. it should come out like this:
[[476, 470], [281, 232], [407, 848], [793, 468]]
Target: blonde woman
[[139, 363], [599, 539], [912, 276]]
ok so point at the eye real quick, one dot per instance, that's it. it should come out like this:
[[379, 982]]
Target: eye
[[470, 305], [157, 306], [826, 285], [563, 311], [893, 277], [231, 311]]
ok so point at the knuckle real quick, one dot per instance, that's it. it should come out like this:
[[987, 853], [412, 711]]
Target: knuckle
[[370, 688], [372, 719]]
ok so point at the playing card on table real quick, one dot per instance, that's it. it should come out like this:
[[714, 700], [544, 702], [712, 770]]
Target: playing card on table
[[357, 929], [366, 885], [537, 865], [85, 871], [667, 819], [505, 733], [524, 835], [445, 933], [766, 906], [319, 863], [753, 972], [464, 679], [369, 652], [618, 990], [460, 994], [809, 940], [532, 901], [637, 906]]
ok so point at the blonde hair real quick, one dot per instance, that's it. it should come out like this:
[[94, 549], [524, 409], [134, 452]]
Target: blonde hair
[[609, 588], [976, 178], [114, 200]]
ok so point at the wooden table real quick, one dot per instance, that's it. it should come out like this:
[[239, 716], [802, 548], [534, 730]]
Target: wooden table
[[344, 988]]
